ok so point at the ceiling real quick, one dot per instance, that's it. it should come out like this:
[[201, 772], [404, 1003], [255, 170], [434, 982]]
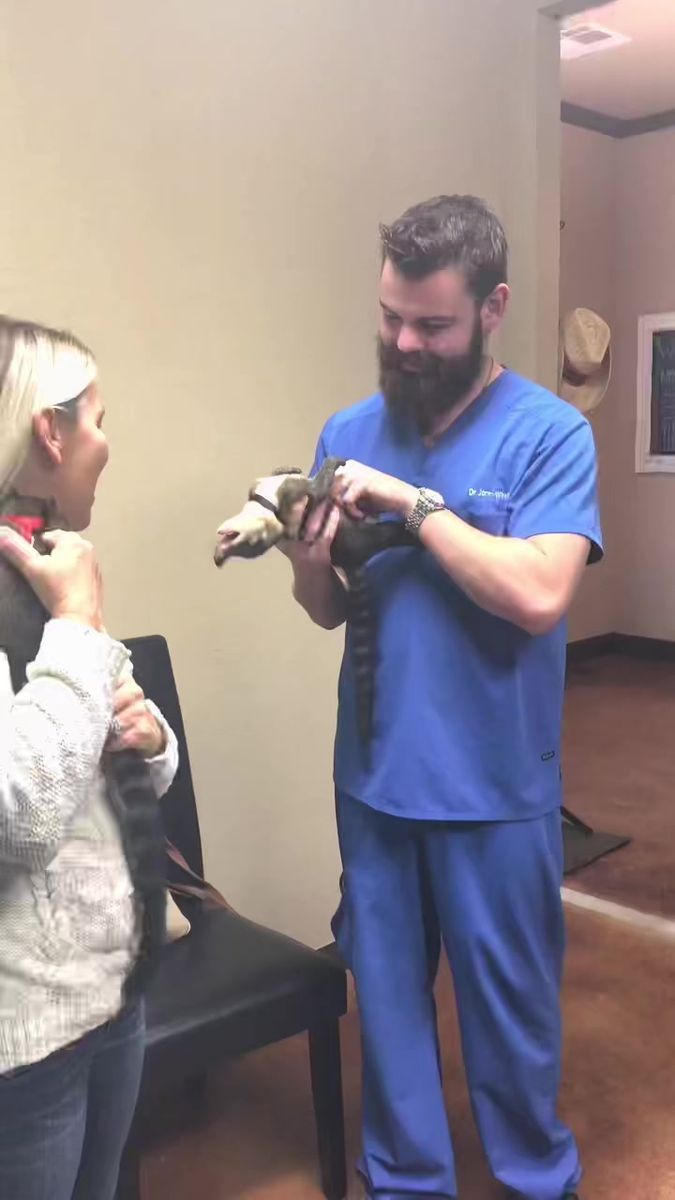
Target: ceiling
[[629, 81]]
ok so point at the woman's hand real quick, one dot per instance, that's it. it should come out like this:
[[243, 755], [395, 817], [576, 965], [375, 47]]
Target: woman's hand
[[134, 726], [67, 581]]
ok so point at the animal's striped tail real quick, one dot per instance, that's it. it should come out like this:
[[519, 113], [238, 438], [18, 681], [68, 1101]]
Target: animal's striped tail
[[139, 815], [362, 631]]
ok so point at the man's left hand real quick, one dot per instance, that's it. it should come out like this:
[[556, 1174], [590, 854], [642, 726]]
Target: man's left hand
[[361, 491], [135, 726]]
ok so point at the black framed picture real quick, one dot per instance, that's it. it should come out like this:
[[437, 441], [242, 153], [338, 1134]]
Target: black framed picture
[[655, 434]]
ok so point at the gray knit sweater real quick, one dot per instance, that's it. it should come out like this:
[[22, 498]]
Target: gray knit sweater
[[67, 928]]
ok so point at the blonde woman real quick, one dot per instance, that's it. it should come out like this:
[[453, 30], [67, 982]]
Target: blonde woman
[[71, 1030]]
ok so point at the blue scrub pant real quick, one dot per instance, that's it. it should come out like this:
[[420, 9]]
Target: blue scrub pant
[[491, 891]]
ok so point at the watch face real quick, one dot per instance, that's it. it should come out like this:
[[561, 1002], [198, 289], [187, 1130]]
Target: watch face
[[435, 497]]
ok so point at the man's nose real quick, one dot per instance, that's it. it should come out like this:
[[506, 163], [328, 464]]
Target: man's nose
[[409, 340]]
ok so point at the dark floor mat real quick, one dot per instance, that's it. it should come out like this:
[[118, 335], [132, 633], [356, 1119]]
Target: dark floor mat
[[583, 846]]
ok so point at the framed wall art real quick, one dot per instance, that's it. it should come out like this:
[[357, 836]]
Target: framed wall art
[[655, 430]]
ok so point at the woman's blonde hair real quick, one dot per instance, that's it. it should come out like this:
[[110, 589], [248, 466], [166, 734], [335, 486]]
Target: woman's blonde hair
[[39, 368]]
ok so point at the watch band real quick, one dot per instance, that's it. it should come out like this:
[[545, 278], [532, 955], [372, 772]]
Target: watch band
[[427, 502]]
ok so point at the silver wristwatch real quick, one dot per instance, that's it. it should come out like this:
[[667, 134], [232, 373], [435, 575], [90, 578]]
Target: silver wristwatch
[[427, 502]]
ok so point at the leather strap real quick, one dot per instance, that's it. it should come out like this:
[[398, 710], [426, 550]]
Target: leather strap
[[265, 502], [200, 889]]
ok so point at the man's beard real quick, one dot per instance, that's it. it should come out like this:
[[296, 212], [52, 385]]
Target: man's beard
[[435, 387]]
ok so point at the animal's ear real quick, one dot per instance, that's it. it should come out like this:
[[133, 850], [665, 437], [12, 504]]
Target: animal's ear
[[323, 482], [293, 489]]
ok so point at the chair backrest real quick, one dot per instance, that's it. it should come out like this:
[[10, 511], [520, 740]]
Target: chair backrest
[[154, 674]]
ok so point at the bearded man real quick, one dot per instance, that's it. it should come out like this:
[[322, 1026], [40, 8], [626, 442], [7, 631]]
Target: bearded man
[[450, 827]]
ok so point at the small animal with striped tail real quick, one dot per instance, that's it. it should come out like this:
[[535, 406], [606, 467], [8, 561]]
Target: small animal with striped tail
[[279, 506]]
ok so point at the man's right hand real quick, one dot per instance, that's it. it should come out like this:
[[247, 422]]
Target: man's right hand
[[317, 586], [67, 581], [314, 549]]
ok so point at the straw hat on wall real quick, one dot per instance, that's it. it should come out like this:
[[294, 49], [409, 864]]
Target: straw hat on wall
[[585, 364]]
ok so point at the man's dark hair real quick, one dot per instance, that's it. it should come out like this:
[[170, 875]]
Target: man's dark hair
[[449, 231]]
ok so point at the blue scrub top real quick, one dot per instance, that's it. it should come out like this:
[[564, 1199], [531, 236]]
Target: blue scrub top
[[468, 707]]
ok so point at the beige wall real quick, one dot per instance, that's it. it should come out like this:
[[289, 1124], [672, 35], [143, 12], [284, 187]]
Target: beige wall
[[646, 253], [588, 278], [195, 188], [618, 201]]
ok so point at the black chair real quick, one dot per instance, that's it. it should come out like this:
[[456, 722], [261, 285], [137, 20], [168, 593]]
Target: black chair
[[230, 986]]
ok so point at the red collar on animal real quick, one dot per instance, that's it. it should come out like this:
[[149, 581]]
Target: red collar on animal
[[26, 526]]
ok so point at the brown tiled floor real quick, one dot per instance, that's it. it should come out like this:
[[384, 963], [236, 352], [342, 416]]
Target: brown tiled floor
[[255, 1141], [619, 770]]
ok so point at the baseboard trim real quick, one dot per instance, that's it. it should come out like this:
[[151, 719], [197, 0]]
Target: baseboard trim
[[628, 644], [646, 647], [592, 647]]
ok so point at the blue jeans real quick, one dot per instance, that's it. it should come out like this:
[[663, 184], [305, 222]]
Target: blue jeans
[[64, 1121]]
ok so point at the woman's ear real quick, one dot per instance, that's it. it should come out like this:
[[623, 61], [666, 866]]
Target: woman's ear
[[48, 436]]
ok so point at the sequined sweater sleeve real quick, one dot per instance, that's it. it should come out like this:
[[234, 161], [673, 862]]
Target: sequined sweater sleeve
[[51, 737]]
